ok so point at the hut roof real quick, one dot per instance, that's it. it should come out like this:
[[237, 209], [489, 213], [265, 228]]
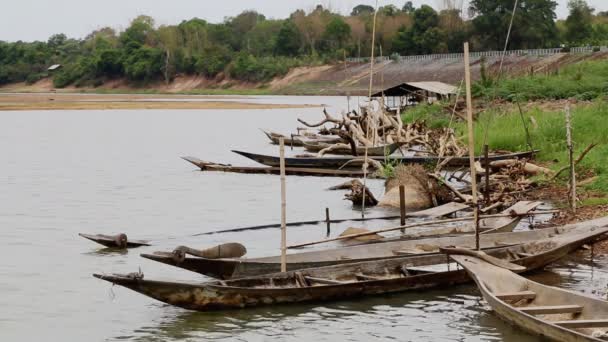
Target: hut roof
[[410, 87]]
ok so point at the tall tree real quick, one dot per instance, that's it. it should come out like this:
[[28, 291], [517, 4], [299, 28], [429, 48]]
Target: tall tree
[[289, 40], [362, 9], [337, 32], [579, 27], [533, 25]]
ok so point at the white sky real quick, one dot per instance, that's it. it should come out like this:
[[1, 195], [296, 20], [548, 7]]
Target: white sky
[[38, 19]]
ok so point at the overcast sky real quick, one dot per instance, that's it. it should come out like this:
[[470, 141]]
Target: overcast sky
[[38, 19]]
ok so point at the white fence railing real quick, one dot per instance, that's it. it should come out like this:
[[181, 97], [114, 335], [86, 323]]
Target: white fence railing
[[536, 52]]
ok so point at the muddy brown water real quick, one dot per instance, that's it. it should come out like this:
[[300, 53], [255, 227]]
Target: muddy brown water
[[65, 172]]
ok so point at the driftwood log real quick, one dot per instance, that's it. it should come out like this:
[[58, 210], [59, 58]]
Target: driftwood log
[[356, 193]]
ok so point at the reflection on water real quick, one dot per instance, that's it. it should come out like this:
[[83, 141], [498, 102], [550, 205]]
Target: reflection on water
[[68, 172], [431, 316]]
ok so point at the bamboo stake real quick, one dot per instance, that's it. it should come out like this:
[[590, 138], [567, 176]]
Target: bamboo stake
[[328, 221], [467, 76], [571, 158], [487, 169], [402, 204], [371, 81], [422, 224], [283, 207]]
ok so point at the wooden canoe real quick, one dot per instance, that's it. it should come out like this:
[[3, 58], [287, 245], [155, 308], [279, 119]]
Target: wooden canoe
[[340, 162], [345, 281], [289, 141], [290, 171], [548, 311], [299, 140], [246, 267], [115, 241], [385, 150], [490, 225]]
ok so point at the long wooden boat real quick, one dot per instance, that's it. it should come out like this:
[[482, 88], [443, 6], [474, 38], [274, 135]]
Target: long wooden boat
[[289, 141], [115, 241], [246, 267], [489, 225], [344, 281], [299, 140], [290, 171], [385, 150], [554, 313], [340, 162]]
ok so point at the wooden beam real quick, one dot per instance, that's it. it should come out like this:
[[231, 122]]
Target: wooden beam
[[324, 281], [516, 296], [361, 276], [551, 309], [583, 323]]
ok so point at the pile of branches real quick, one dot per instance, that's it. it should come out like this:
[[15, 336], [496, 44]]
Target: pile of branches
[[509, 179], [377, 127]]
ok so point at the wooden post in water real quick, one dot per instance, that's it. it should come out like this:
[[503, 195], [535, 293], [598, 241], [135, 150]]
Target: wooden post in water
[[471, 132], [402, 205], [283, 208], [571, 159], [328, 221], [487, 169]]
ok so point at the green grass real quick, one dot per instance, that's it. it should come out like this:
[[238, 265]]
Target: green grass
[[506, 132], [582, 81]]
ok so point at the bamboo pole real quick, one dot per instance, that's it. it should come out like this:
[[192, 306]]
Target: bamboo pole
[[283, 208], [371, 82], [402, 204], [486, 152], [328, 221], [571, 159], [467, 76], [422, 224]]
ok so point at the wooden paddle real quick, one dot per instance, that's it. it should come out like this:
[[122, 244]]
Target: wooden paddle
[[485, 257], [226, 250]]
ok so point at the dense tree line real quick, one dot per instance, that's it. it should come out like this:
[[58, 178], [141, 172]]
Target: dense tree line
[[251, 47]]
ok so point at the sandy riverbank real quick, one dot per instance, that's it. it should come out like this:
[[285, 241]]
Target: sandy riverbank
[[66, 101]]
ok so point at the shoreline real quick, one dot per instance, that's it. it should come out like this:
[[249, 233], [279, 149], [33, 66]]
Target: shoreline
[[99, 101]]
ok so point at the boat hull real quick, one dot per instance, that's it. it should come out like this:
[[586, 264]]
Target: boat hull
[[239, 268], [340, 162], [277, 288]]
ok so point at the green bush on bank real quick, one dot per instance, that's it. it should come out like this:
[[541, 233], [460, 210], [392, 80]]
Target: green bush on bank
[[582, 81], [505, 131]]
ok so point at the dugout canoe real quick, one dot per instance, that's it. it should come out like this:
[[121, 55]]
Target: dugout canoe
[[345, 281], [299, 140], [486, 226], [290, 171], [550, 312], [341, 162], [115, 241], [384, 150], [247, 267]]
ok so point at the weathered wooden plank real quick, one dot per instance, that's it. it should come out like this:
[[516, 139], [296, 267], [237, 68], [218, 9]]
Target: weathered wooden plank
[[515, 296], [324, 281], [583, 323], [551, 309], [442, 210], [361, 276]]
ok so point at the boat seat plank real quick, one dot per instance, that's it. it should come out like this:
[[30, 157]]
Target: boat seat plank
[[324, 281], [583, 323], [362, 276], [405, 252], [524, 255], [552, 309], [442, 210], [301, 280], [516, 296]]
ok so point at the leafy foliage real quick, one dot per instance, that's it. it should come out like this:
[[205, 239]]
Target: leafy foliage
[[250, 47]]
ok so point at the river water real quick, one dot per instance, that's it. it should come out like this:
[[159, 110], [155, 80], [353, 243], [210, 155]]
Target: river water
[[66, 172]]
